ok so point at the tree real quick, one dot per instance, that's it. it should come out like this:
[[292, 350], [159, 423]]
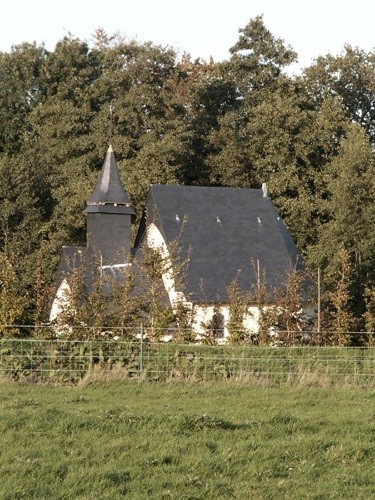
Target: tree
[[266, 312], [255, 70], [369, 316], [258, 58], [213, 329], [21, 225], [349, 217], [351, 76], [289, 308], [184, 317], [280, 313], [12, 304], [156, 311], [98, 305], [238, 308], [207, 95], [125, 306], [340, 320], [20, 92], [41, 290]]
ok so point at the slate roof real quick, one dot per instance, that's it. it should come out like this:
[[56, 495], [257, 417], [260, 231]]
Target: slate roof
[[109, 188], [74, 258], [224, 231], [71, 258]]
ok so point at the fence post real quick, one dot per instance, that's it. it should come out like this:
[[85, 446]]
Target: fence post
[[141, 350]]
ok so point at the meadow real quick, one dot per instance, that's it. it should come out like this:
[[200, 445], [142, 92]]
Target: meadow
[[159, 440]]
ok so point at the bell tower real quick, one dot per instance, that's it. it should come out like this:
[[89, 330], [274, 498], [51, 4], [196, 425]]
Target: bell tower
[[109, 216]]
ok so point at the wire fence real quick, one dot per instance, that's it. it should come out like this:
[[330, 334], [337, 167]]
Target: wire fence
[[69, 362], [274, 338]]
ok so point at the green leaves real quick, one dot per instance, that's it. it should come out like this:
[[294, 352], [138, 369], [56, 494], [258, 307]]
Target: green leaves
[[258, 58], [351, 76], [12, 305]]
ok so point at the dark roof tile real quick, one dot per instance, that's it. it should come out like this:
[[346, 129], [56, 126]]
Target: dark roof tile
[[249, 230], [109, 188]]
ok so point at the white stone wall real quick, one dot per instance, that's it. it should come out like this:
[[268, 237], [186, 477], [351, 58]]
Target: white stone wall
[[155, 239], [204, 313], [60, 301]]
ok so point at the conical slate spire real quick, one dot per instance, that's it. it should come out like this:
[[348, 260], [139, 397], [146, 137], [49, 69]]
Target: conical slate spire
[[109, 188], [109, 216]]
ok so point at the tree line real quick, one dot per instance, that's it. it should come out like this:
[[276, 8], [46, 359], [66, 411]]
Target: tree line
[[171, 119]]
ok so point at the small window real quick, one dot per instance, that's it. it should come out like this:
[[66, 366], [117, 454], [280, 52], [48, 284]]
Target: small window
[[217, 323]]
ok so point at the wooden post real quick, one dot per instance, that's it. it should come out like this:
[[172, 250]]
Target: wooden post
[[141, 351], [319, 300]]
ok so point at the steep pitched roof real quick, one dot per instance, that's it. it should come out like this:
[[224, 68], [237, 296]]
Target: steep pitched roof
[[223, 230], [109, 188], [81, 258], [72, 259]]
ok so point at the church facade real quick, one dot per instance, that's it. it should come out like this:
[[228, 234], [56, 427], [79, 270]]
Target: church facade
[[224, 235]]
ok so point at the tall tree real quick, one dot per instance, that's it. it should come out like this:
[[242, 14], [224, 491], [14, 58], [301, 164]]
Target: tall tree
[[350, 216], [20, 92], [258, 58], [256, 72], [12, 304], [351, 76]]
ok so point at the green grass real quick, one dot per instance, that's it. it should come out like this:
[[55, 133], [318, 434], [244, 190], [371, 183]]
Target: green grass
[[160, 441]]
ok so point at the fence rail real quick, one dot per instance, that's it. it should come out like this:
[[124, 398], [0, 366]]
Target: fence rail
[[290, 338], [63, 361]]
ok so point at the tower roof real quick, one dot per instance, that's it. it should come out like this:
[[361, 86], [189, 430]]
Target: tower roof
[[109, 188]]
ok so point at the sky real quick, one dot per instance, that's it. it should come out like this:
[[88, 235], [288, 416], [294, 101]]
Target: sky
[[202, 28]]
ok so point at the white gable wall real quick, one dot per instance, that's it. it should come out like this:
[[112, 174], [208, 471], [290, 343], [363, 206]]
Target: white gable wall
[[60, 301], [154, 239]]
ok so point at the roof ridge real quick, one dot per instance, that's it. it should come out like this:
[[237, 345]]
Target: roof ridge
[[171, 186]]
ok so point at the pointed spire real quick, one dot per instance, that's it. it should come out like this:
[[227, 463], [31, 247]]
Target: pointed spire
[[109, 188]]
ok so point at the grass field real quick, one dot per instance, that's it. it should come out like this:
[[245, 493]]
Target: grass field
[[160, 441]]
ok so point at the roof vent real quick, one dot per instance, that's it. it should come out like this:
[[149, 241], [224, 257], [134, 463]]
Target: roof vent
[[264, 189]]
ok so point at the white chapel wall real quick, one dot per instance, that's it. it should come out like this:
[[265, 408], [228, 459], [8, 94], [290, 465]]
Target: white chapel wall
[[60, 301], [155, 239]]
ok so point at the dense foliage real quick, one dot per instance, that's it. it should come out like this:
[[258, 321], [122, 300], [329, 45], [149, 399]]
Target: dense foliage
[[240, 122]]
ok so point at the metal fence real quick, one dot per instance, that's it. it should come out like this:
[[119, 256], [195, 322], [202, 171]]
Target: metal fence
[[68, 362]]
